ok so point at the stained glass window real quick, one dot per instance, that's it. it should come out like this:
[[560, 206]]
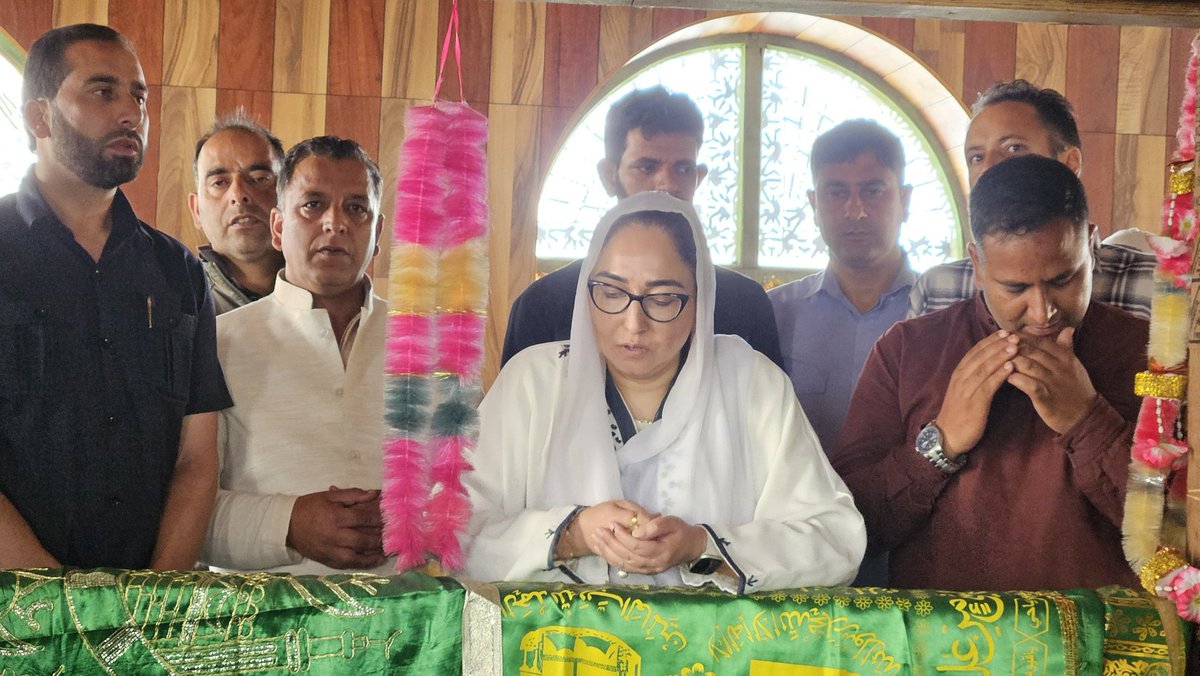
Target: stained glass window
[[15, 156], [800, 95]]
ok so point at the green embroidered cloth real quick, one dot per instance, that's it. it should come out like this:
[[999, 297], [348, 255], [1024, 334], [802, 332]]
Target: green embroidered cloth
[[142, 622], [827, 631]]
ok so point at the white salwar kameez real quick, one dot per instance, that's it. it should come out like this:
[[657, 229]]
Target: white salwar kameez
[[732, 452]]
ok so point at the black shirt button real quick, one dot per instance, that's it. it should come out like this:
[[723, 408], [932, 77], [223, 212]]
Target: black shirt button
[[40, 313], [116, 502], [173, 322], [106, 343], [112, 420]]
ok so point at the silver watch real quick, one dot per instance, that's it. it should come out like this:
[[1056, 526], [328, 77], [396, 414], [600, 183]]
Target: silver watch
[[929, 445]]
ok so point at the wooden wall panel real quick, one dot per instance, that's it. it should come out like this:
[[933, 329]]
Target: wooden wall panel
[[991, 55], [410, 44], [475, 41], [295, 117], [513, 183], [246, 44], [186, 113], [25, 20], [1099, 167], [356, 48], [572, 44], [67, 12], [940, 44], [1138, 195], [624, 32], [1180, 51], [1141, 100], [1092, 53], [663, 22], [255, 104], [518, 53], [553, 125], [143, 191], [354, 117], [142, 22], [1042, 55], [301, 63], [190, 43], [900, 31]]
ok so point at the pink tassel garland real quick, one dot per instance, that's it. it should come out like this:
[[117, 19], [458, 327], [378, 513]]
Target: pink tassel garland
[[403, 501], [409, 348], [461, 343]]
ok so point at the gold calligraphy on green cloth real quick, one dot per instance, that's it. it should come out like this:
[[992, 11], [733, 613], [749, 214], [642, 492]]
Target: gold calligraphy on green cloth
[[557, 629], [144, 622]]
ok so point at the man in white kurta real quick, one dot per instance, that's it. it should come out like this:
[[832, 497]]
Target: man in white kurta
[[301, 447], [301, 422]]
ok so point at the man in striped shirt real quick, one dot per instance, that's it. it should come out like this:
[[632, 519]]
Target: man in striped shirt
[[1016, 118]]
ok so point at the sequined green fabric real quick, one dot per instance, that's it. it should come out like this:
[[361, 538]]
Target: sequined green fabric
[[142, 622]]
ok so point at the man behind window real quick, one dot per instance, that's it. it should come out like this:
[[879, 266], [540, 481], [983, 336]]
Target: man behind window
[[651, 140], [1016, 118], [109, 379], [829, 321]]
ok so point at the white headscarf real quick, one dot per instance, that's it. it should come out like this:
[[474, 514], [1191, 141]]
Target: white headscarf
[[695, 453]]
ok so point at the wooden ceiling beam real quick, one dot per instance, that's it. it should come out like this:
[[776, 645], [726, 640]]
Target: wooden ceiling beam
[[1173, 13]]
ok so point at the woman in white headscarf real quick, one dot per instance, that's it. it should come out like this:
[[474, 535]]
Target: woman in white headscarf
[[648, 450]]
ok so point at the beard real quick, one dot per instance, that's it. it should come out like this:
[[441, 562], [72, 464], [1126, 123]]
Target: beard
[[85, 157]]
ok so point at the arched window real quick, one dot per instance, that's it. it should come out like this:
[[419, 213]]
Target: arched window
[[768, 85], [15, 156]]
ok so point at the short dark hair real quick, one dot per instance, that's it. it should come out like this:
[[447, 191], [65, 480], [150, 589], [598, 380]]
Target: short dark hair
[[46, 63], [238, 120], [655, 111], [334, 148], [675, 224], [852, 138], [1023, 194], [1053, 109]]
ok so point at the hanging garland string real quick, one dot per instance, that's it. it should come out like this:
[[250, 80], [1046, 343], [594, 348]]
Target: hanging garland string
[[1154, 523], [437, 304]]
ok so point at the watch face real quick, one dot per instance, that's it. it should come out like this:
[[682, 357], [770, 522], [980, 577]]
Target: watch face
[[929, 438]]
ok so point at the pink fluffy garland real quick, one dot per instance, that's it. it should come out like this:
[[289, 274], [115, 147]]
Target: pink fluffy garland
[[440, 204]]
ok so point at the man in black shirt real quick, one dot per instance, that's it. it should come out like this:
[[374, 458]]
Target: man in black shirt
[[651, 141], [109, 380]]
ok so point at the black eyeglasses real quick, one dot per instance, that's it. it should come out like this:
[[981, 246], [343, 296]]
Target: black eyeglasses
[[660, 307]]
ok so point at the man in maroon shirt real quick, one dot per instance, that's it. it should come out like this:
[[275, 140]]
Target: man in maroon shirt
[[987, 444]]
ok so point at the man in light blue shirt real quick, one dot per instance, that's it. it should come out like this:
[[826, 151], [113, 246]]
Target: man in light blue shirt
[[829, 321]]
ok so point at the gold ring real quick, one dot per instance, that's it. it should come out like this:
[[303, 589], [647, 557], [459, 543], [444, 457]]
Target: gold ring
[[633, 522]]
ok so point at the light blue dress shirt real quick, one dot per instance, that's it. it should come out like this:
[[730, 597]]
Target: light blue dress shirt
[[826, 341]]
